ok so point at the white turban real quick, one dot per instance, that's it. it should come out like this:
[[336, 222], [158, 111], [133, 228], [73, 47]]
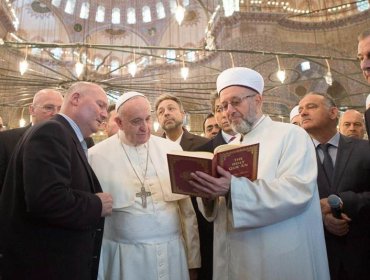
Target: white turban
[[240, 76], [368, 101], [294, 113], [125, 97]]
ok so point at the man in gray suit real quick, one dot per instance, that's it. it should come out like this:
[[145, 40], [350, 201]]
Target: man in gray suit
[[344, 170]]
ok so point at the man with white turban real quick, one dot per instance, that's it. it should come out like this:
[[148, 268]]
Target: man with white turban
[[294, 116], [152, 234], [270, 228]]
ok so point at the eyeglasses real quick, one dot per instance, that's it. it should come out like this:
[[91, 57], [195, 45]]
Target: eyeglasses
[[235, 102], [140, 122], [49, 108]]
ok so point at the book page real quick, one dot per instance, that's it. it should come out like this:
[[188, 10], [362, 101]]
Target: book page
[[205, 155], [226, 147]]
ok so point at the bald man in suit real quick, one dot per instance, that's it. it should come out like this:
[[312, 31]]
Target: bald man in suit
[[52, 205], [46, 103]]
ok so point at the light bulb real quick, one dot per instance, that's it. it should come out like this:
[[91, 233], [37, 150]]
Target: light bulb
[[156, 126], [180, 14], [22, 122], [184, 72], [132, 67], [79, 68], [329, 78], [23, 66], [281, 75]]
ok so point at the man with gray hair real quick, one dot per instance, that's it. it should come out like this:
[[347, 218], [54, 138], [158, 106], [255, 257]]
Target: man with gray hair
[[351, 124], [269, 228], [46, 103], [152, 233], [52, 205], [343, 174]]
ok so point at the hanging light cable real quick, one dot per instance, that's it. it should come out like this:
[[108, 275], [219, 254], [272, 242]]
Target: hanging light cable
[[23, 65], [328, 77], [179, 13], [132, 67], [184, 70], [281, 75]]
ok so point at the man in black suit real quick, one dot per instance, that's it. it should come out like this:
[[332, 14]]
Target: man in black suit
[[363, 55], [344, 170], [210, 126], [52, 205], [170, 114], [226, 134], [46, 103]]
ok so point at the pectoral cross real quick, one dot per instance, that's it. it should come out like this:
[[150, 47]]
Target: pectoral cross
[[143, 194]]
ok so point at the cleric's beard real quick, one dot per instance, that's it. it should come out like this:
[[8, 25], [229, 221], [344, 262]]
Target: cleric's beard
[[243, 127]]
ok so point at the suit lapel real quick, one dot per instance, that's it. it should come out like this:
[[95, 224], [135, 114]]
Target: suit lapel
[[79, 149], [345, 148]]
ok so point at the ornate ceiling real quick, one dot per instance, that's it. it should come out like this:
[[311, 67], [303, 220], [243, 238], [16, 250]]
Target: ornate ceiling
[[54, 35]]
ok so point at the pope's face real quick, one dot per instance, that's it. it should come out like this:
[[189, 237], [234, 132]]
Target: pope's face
[[364, 57], [134, 119]]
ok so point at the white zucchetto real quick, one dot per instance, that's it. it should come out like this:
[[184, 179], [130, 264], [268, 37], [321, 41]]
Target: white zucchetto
[[293, 113], [240, 76], [125, 97]]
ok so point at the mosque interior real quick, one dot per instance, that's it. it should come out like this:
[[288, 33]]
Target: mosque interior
[[297, 45]]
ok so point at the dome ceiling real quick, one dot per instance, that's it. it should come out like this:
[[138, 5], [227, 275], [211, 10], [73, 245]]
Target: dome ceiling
[[108, 36]]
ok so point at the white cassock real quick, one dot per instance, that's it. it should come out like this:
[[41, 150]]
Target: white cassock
[[157, 242], [272, 228]]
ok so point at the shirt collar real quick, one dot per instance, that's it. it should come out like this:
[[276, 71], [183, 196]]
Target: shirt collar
[[334, 141], [75, 127]]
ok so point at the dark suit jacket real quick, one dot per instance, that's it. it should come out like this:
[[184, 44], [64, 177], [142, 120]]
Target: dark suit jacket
[[211, 145], [189, 141], [50, 217], [205, 227], [8, 140], [367, 122], [352, 183]]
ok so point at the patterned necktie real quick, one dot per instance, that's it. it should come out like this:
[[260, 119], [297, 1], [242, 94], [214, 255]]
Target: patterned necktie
[[231, 139], [327, 162], [84, 146]]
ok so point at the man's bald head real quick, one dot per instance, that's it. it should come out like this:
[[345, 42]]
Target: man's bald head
[[351, 124], [46, 103]]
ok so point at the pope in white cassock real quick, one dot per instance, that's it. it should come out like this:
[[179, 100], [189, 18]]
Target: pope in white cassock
[[152, 234], [271, 228]]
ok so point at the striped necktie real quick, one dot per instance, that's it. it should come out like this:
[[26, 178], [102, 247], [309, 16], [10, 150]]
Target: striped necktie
[[327, 162], [84, 146], [231, 139]]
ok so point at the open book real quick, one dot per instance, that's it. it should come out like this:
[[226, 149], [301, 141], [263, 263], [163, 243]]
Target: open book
[[239, 160]]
